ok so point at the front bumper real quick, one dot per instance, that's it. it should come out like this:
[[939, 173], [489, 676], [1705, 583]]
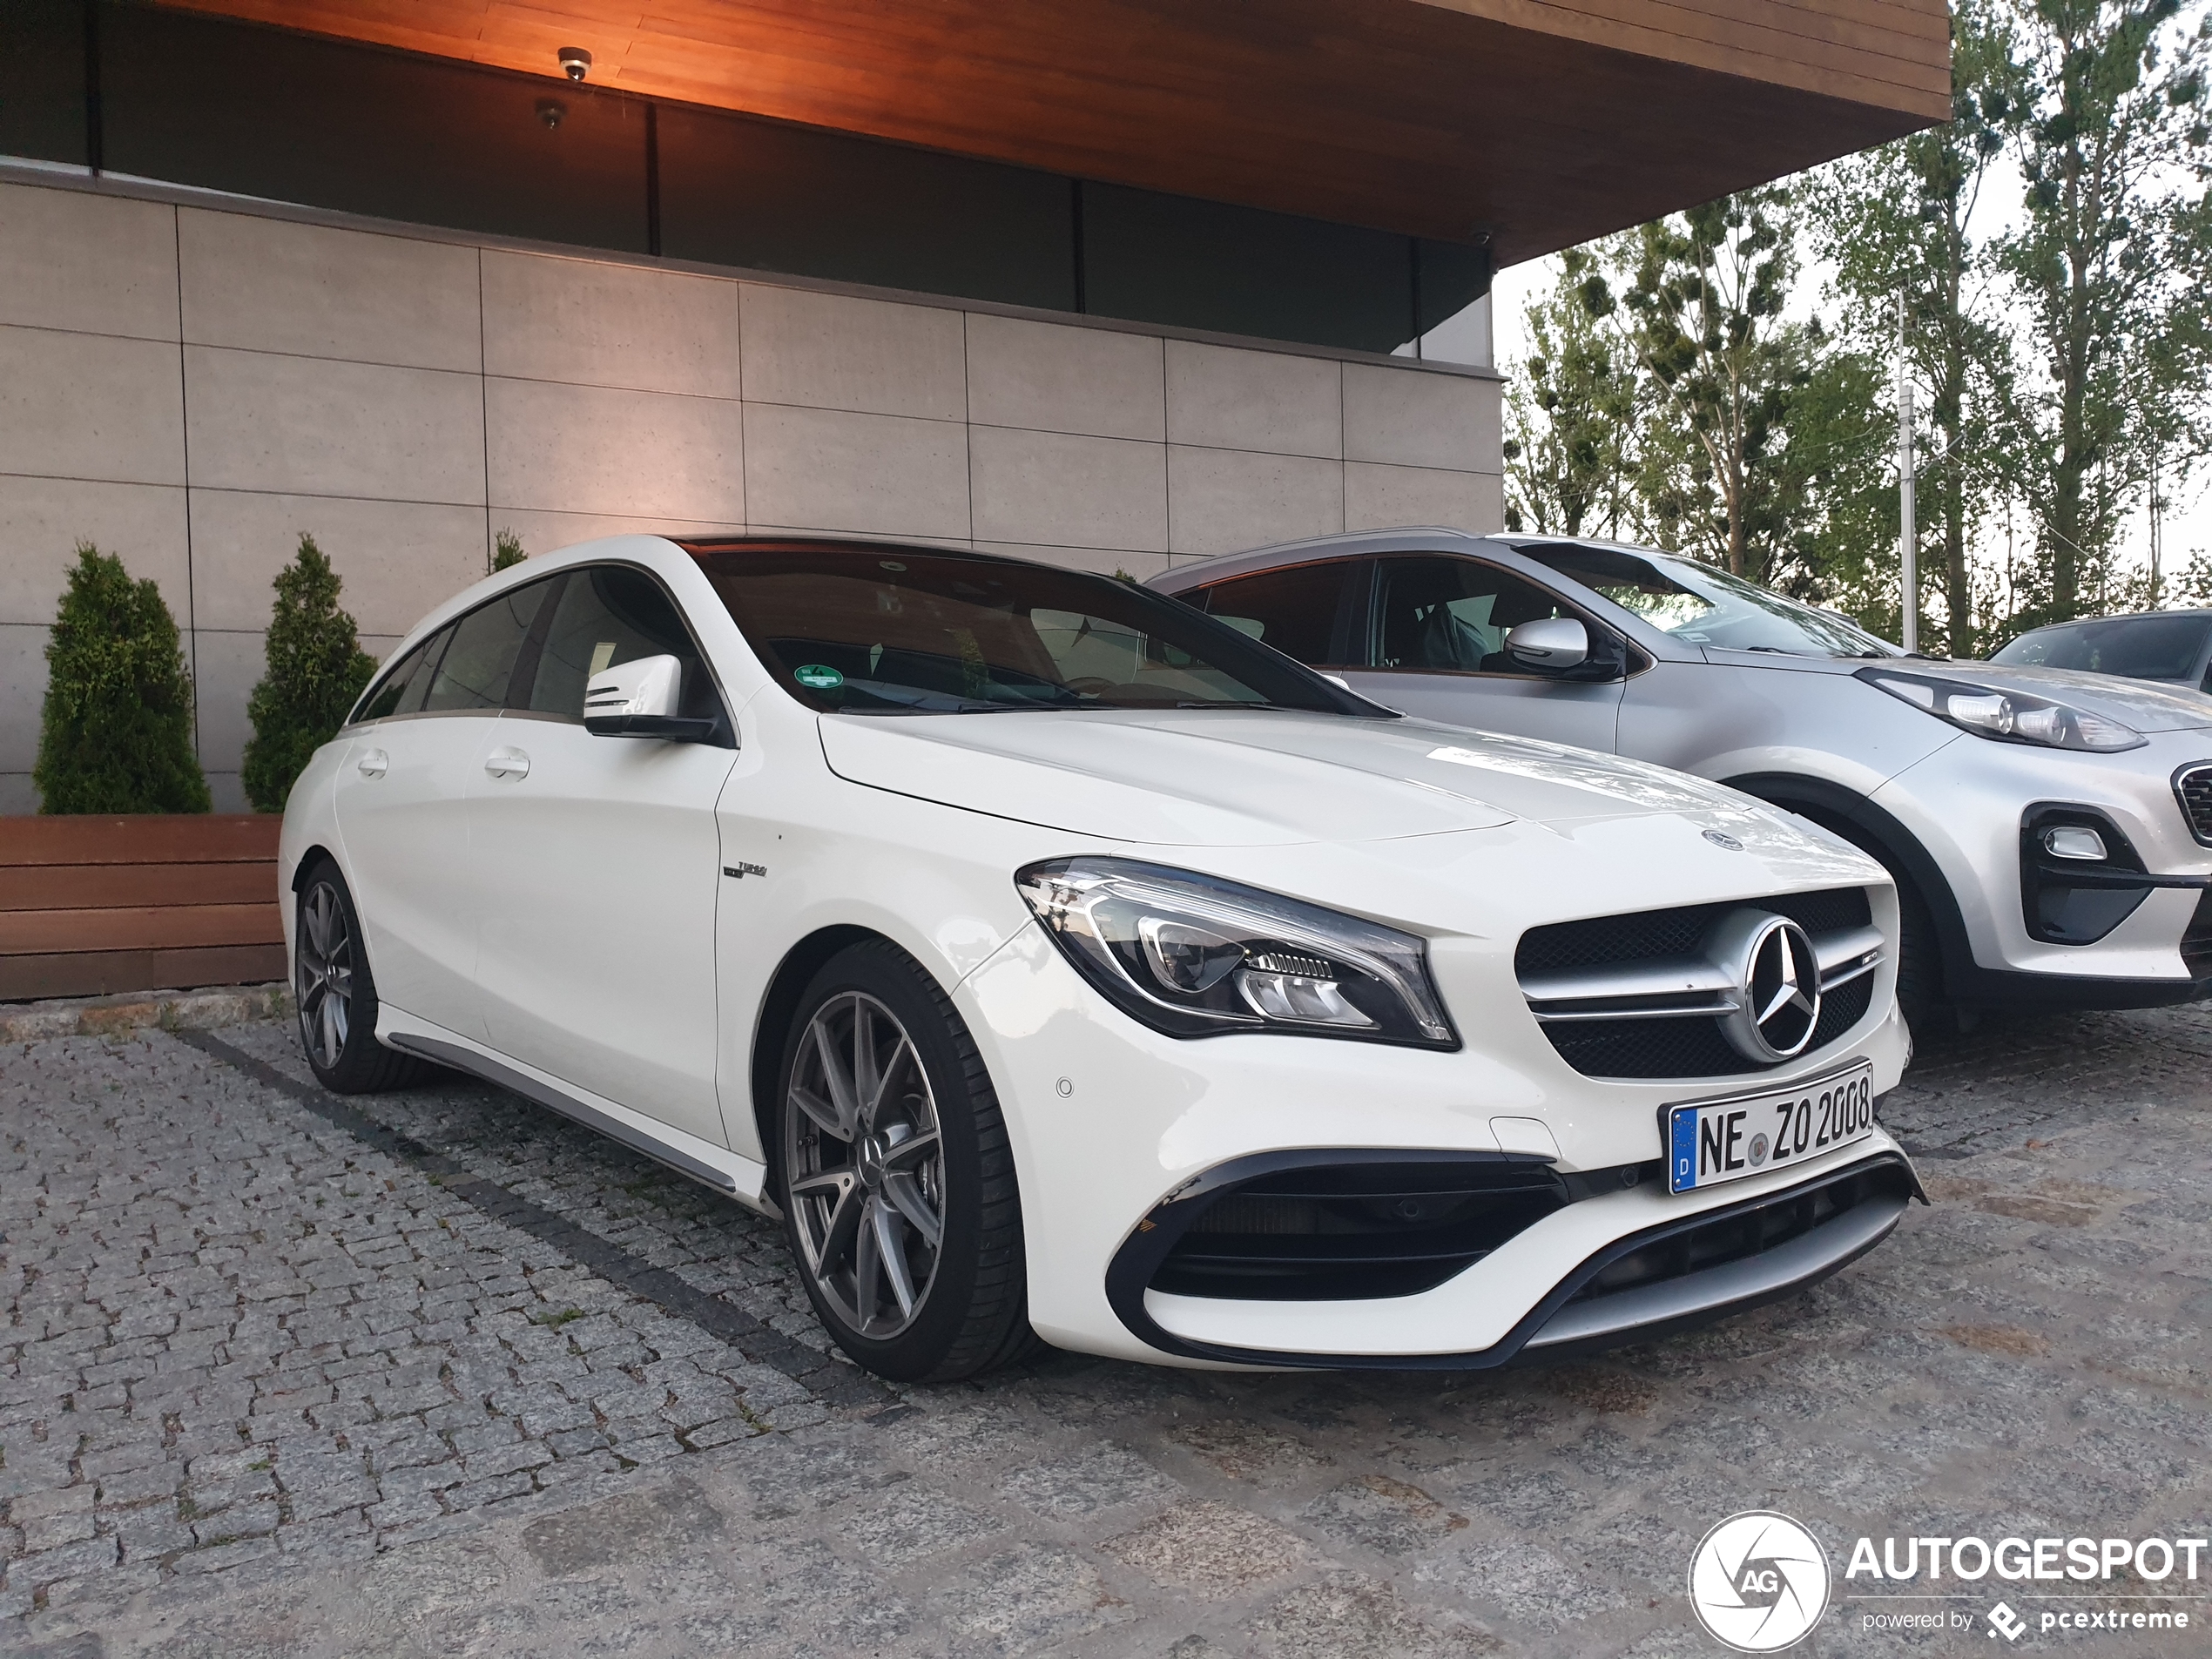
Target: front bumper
[[2016, 932], [1659, 1279], [1108, 1119]]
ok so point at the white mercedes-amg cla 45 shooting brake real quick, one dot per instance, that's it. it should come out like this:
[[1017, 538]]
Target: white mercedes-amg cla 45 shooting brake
[[1053, 958]]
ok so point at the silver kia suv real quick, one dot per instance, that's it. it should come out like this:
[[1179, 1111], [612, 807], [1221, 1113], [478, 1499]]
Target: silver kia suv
[[2050, 831]]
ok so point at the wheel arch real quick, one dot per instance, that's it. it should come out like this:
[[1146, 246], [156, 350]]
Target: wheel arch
[[309, 856], [1878, 833], [778, 1006]]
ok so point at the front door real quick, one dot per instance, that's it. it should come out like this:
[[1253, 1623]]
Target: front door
[[599, 859], [1435, 648]]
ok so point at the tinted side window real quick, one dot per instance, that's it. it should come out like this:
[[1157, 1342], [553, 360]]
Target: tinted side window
[[1452, 614], [1297, 609], [478, 666], [609, 613], [393, 687]]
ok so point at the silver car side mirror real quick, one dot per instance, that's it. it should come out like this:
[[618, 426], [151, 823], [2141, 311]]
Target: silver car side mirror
[[1552, 642], [638, 699]]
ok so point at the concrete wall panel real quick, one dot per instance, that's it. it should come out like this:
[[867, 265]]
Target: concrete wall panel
[[227, 667], [1226, 397], [832, 470], [269, 285], [1383, 497], [91, 406], [1410, 418], [93, 264], [312, 427], [1063, 491], [41, 520], [397, 559], [829, 351], [1048, 377], [590, 323], [591, 450], [1224, 501], [23, 693]]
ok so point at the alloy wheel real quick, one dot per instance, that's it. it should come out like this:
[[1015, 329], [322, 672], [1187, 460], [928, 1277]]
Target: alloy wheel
[[865, 1162], [323, 982]]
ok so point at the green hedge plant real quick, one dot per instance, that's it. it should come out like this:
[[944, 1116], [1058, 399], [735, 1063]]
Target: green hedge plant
[[116, 734], [316, 672]]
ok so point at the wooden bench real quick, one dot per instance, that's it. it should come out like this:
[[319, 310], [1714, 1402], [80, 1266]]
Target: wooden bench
[[90, 906]]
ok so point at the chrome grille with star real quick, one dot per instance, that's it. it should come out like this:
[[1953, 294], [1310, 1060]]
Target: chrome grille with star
[[1703, 990]]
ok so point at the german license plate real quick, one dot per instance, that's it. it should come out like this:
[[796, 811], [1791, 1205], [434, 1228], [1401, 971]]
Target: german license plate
[[1714, 1141]]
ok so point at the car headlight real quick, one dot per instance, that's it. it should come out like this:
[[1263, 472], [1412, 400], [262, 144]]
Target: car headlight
[[1195, 956], [2005, 716]]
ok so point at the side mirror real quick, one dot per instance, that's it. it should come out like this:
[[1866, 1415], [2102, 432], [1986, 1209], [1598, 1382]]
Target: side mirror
[[638, 699], [1552, 644]]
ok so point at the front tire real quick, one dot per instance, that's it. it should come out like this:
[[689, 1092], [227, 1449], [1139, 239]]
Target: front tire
[[894, 1175], [336, 995]]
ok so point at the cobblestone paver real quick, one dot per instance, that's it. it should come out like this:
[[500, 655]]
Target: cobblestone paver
[[266, 1388]]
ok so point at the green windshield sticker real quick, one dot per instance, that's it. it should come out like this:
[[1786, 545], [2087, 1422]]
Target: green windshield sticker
[[818, 676]]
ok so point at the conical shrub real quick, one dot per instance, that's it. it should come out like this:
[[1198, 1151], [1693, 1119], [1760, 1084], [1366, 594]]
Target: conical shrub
[[316, 671], [116, 735]]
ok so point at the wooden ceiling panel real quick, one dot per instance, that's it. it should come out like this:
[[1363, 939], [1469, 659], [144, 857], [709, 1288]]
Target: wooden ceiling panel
[[1539, 122]]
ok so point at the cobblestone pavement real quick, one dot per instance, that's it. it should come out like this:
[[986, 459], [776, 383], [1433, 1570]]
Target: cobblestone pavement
[[435, 1373]]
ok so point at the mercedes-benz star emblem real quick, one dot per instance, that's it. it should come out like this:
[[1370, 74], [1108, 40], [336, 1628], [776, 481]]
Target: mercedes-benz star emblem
[[1778, 974]]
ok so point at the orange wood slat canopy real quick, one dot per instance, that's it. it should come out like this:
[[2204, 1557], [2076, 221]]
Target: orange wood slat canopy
[[1541, 123]]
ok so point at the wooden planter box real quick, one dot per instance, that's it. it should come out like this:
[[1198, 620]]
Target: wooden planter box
[[90, 906]]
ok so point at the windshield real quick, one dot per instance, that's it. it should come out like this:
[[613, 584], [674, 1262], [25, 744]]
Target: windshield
[[886, 629], [2143, 647], [1703, 606]]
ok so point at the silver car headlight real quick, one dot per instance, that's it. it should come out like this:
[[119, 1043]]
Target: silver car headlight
[[2007, 716], [1195, 956]]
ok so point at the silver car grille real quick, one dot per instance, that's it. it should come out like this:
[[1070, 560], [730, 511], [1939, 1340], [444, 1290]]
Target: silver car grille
[[2193, 788], [1646, 995]]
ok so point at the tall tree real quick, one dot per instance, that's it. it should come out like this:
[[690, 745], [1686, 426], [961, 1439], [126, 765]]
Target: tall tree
[[1572, 413], [2112, 260], [1701, 308], [316, 671], [1895, 222], [116, 731]]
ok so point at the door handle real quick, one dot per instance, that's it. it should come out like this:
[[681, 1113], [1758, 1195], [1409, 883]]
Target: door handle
[[373, 763], [507, 763]]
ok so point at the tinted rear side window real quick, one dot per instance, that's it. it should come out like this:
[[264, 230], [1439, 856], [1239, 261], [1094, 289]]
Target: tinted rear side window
[[1298, 609], [478, 666], [401, 691]]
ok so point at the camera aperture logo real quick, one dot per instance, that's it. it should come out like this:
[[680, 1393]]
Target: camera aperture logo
[[1758, 1583]]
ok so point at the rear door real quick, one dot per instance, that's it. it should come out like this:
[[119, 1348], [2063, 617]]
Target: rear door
[[599, 862], [401, 803]]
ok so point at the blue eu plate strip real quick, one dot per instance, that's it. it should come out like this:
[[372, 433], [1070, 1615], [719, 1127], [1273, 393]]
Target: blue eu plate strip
[[1682, 1156]]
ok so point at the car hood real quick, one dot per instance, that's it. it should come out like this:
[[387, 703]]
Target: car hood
[[2144, 705], [1256, 778]]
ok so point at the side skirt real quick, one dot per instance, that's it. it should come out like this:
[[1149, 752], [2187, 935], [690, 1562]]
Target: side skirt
[[727, 1172]]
